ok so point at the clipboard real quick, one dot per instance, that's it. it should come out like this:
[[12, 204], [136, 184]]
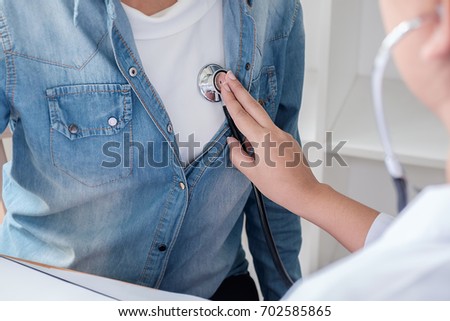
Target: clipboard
[[28, 281]]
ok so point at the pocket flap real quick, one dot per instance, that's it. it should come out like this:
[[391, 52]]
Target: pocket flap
[[86, 110]]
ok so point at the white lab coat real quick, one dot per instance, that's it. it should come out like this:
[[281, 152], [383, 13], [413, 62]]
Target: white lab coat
[[410, 261]]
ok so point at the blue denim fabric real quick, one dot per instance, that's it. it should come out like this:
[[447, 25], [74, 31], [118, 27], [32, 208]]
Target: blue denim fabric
[[73, 202]]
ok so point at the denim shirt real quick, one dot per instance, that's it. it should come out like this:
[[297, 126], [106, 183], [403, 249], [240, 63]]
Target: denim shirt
[[95, 183]]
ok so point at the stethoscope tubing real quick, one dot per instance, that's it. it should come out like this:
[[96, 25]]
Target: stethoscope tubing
[[391, 161], [261, 209]]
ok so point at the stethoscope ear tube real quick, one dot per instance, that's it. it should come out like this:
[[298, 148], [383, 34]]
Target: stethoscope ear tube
[[392, 163], [402, 195]]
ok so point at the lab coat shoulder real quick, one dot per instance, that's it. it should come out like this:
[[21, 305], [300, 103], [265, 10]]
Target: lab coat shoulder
[[379, 226], [409, 262]]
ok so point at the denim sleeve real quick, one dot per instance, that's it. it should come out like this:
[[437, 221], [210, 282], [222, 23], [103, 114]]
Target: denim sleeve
[[285, 226], [4, 110]]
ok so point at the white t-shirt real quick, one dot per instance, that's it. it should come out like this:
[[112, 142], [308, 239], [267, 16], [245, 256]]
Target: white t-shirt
[[410, 261], [174, 45]]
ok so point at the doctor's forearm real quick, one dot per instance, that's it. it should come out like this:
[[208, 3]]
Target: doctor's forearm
[[346, 220]]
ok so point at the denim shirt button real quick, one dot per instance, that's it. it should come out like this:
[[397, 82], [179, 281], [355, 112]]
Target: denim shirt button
[[170, 128], [182, 186], [162, 247], [132, 72], [73, 129], [112, 121], [248, 66]]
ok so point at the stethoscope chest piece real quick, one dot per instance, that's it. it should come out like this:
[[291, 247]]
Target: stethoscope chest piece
[[207, 84]]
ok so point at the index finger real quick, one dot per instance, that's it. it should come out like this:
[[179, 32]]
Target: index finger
[[253, 107], [246, 124]]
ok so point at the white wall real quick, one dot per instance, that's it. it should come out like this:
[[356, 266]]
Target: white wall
[[343, 37]]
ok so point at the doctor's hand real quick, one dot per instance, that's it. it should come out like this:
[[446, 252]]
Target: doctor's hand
[[278, 166], [280, 171]]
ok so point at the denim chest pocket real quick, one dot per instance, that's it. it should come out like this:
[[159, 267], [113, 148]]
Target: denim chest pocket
[[84, 119], [264, 90]]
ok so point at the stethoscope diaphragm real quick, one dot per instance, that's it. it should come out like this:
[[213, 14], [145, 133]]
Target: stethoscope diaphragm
[[207, 82]]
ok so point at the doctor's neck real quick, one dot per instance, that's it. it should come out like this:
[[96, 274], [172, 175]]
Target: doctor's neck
[[149, 8]]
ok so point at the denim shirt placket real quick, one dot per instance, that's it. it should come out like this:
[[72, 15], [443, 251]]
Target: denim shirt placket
[[239, 59], [128, 62]]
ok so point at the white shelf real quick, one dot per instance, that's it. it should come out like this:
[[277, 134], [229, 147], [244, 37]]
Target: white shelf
[[417, 135]]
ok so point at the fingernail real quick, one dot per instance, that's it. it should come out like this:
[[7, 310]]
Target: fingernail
[[232, 141], [231, 75], [226, 87]]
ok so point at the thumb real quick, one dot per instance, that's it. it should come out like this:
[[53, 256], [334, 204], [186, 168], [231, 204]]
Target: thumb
[[240, 159]]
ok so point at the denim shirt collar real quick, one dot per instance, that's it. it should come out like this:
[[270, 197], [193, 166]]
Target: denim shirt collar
[[76, 5], [240, 40], [239, 35], [118, 18]]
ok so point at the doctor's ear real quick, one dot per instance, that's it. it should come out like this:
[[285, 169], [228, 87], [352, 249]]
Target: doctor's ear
[[438, 45]]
